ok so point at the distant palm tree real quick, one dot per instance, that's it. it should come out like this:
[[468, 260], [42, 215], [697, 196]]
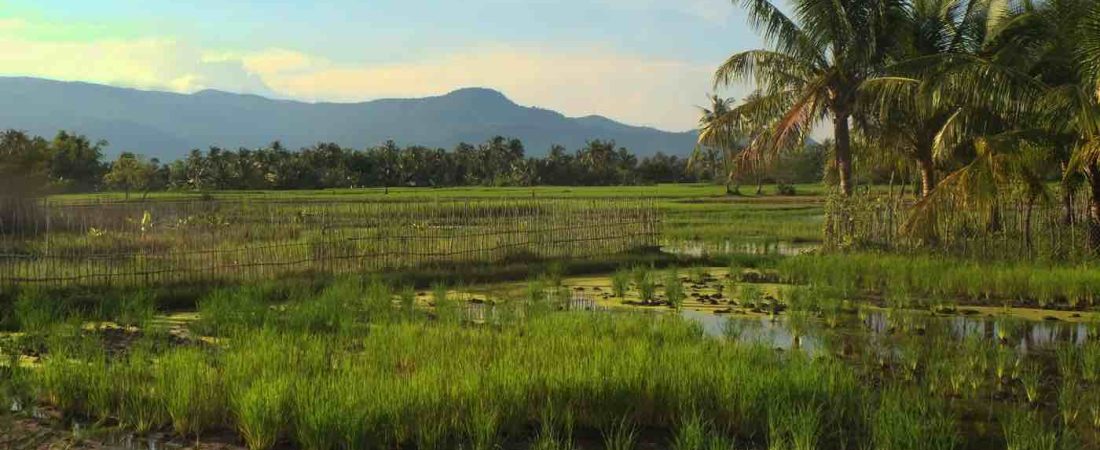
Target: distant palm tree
[[720, 136], [813, 70]]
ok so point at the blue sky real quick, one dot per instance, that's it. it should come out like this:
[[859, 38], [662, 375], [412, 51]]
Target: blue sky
[[645, 62]]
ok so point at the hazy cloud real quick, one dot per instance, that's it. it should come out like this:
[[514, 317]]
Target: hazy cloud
[[632, 88]]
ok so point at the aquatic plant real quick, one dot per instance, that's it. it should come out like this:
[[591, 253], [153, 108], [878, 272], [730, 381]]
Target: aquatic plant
[[192, 391], [622, 435], [643, 283], [674, 290], [135, 309], [447, 310], [1025, 430], [909, 419], [228, 310], [259, 410], [1031, 380], [35, 311], [1090, 362], [1069, 402], [691, 433], [620, 283], [794, 429], [697, 274]]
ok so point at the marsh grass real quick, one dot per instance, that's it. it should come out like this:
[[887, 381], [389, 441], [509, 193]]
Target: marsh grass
[[1031, 377], [644, 284], [1027, 430], [943, 279], [447, 309], [354, 366], [908, 419], [794, 429], [225, 311], [674, 289], [259, 411], [621, 435], [191, 386], [135, 309], [35, 311], [620, 283]]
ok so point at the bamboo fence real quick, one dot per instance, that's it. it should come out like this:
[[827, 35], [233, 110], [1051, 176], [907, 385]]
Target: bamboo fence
[[1010, 228], [199, 241]]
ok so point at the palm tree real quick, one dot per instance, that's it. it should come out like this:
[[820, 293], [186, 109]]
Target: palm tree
[[813, 70], [1058, 43], [716, 134], [907, 111]]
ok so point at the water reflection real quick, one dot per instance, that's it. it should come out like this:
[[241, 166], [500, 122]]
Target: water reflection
[[762, 330], [876, 325], [698, 249]]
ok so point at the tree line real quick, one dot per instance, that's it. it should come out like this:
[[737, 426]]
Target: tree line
[[982, 101], [33, 165]]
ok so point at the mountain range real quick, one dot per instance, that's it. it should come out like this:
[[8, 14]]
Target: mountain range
[[168, 125]]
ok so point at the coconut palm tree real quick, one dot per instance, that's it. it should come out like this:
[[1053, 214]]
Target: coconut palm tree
[[907, 110], [1058, 43], [716, 134], [813, 69]]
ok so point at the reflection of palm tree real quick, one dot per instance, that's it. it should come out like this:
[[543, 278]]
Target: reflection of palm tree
[[814, 69]]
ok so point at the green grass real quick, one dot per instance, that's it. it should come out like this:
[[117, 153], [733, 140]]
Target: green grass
[[926, 280], [353, 365]]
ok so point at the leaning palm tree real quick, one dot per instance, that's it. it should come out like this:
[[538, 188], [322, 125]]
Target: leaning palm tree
[[813, 69]]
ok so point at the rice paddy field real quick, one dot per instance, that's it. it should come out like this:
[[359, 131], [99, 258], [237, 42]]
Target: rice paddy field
[[736, 332]]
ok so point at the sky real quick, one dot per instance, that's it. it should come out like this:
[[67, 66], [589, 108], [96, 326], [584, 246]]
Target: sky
[[643, 62]]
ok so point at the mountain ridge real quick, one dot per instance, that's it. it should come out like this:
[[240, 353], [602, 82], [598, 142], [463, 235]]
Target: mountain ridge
[[167, 125]]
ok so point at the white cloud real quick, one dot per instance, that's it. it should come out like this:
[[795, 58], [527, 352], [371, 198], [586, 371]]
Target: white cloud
[[632, 88], [626, 87]]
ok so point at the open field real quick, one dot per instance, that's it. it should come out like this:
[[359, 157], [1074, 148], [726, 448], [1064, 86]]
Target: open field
[[691, 211], [770, 350]]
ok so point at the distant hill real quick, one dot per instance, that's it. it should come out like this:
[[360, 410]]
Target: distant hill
[[168, 125]]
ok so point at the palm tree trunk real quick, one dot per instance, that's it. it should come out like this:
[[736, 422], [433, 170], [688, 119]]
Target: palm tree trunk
[[927, 176], [1027, 224], [843, 154], [1067, 197], [1094, 211]]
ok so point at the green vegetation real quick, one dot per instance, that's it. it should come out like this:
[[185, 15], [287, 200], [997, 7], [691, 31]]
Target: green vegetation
[[924, 280], [952, 305], [358, 363]]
